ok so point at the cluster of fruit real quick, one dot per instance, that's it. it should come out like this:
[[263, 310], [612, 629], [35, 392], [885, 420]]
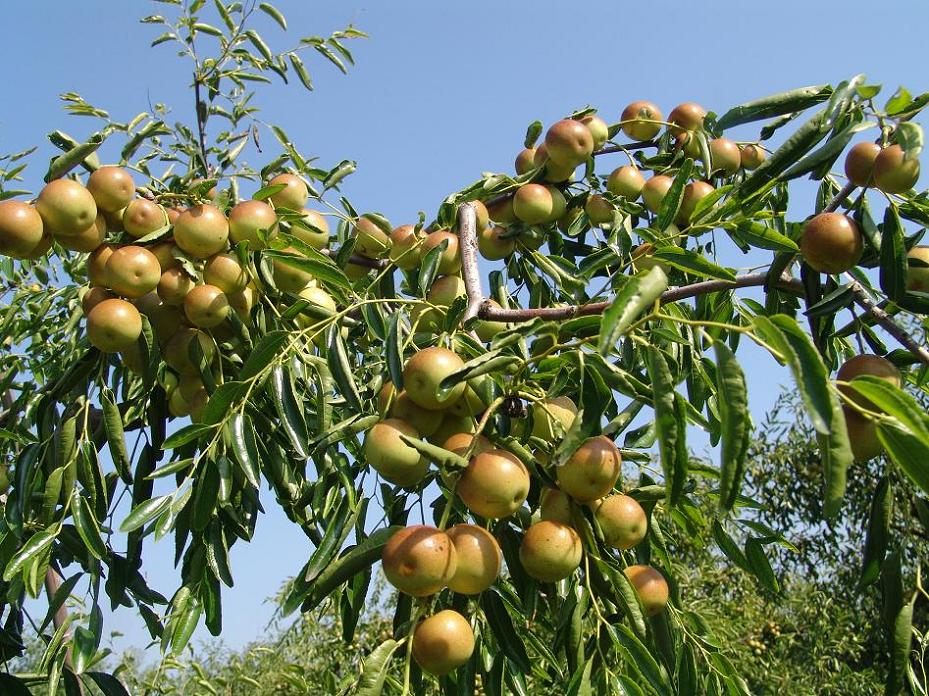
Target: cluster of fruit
[[769, 634]]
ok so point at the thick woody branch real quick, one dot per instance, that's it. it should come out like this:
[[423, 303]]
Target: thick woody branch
[[863, 300], [467, 245]]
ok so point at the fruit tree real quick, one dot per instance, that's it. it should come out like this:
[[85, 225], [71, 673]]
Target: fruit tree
[[505, 440]]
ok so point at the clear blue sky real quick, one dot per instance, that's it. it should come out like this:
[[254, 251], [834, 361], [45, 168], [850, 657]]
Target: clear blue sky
[[441, 92]]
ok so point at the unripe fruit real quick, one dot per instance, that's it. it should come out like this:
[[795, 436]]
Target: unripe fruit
[[443, 642], [164, 252], [197, 403], [450, 260], [551, 418], [917, 272], [225, 272], [287, 275], [425, 371], [654, 191], [174, 213], [873, 365], [599, 131], [481, 215], [502, 211], [525, 161], [559, 203], [322, 302], [132, 271], [533, 204], [406, 250], [177, 350], [21, 229], [206, 306], [650, 586], [686, 117], [862, 435], [66, 207], [87, 240], [178, 405], [598, 209], [242, 303], [371, 240], [93, 297], [569, 142], [391, 457], [452, 424], [295, 194], [753, 156], [626, 181], [419, 560], [859, 163], [111, 187], [555, 505], [893, 173], [643, 258], [638, 120], [622, 521], [142, 217], [831, 243], [445, 290], [592, 471], [312, 228], [459, 443], [725, 155], [494, 485], [423, 420], [479, 559], [113, 325], [166, 320], [201, 231], [485, 329], [174, 286], [247, 219], [493, 246], [550, 551], [694, 192]]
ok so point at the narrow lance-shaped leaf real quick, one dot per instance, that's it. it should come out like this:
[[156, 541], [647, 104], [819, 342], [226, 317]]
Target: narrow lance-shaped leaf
[[115, 436], [671, 203], [394, 350], [893, 255], [87, 526], [376, 666], [639, 293], [735, 423], [774, 105], [908, 451], [669, 425], [879, 518], [337, 359]]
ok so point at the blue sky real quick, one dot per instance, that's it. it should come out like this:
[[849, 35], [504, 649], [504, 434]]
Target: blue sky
[[442, 92]]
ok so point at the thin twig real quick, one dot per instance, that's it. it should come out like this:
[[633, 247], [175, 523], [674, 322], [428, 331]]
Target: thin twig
[[201, 124], [839, 198], [467, 245], [360, 260], [886, 321], [623, 148]]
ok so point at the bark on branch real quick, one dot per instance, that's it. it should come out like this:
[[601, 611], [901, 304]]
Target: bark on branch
[[863, 300]]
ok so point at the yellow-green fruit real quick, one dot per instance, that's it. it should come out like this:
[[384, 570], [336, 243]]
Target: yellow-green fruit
[[494, 485], [201, 231], [525, 160], [287, 275], [557, 173], [132, 271], [425, 371], [423, 420], [552, 417], [726, 156], [111, 187], [419, 560], [249, 220], [174, 213], [242, 303], [189, 385], [831, 243], [626, 181], [87, 240], [166, 320], [93, 297], [599, 131], [96, 263], [450, 260], [559, 203], [654, 191], [113, 325], [206, 306], [622, 521], [452, 424], [443, 642], [893, 173], [501, 211], [694, 192], [481, 215], [650, 586], [862, 435], [550, 551], [178, 349], [391, 457], [406, 247], [354, 271], [21, 229], [643, 258], [479, 559], [568, 142], [66, 207], [686, 117], [445, 290], [371, 240], [322, 305], [592, 471], [555, 505], [178, 405], [493, 245], [174, 286], [533, 204], [460, 443], [312, 228], [641, 120], [872, 365], [225, 272], [198, 402], [470, 404], [917, 272], [142, 216], [599, 210], [859, 163], [294, 195], [753, 156], [164, 252], [485, 329]]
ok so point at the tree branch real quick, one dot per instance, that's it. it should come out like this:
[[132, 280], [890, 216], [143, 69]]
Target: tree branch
[[839, 198], [467, 245], [863, 300], [623, 148], [201, 123], [360, 260]]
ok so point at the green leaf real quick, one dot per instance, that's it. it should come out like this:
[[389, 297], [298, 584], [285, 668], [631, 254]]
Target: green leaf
[[692, 262], [375, 668], [37, 545], [837, 456], [670, 423], [107, 683], [259, 44], [263, 354], [87, 526], [764, 237], [759, 564], [429, 267], [901, 639], [145, 511], [319, 266], [893, 255], [342, 372], [274, 14], [671, 203], [441, 457], [735, 424], [879, 520], [894, 402], [501, 625], [728, 546], [337, 528], [188, 433], [638, 294], [290, 410], [13, 686], [641, 657], [394, 349], [489, 362], [301, 71], [115, 435], [532, 134], [63, 164], [244, 447], [774, 105], [906, 450]]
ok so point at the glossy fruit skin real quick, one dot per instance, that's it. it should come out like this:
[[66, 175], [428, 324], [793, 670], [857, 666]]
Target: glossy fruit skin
[[391, 457], [450, 260], [87, 240], [242, 303], [493, 246], [247, 218], [142, 217], [859, 163], [225, 272], [66, 207], [313, 229], [459, 443], [893, 173], [174, 286], [201, 231], [637, 120], [502, 211], [654, 191], [111, 187], [443, 642], [406, 250], [294, 197], [452, 424], [94, 296], [831, 243], [371, 240], [479, 559], [873, 365], [533, 204], [726, 156], [599, 131], [21, 229], [598, 209], [206, 306], [686, 117], [525, 161], [287, 275], [323, 303], [559, 203], [164, 252], [177, 350], [626, 181], [445, 290], [419, 560], [96, 263], [651, 587], [862, 435], [694, 192], [132, 271], [552, 417], [622, 520], [425, 421], [568, 142], [555, 505], [917, 273], [113, 325], [550, 551], [423, 373], [643, 258], [592, 471], [495, 484]]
